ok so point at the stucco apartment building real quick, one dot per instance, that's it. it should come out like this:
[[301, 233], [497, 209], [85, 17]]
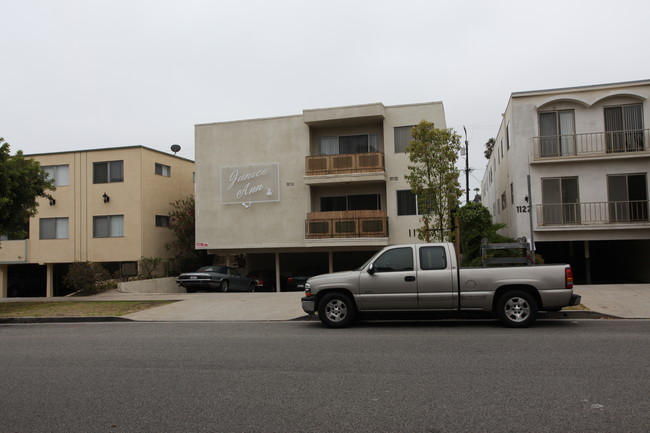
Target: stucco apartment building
[[569, 171], [321, 190], [110, 206]]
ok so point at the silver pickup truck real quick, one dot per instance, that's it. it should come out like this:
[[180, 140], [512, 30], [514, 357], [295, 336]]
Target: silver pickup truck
[[427, 278]]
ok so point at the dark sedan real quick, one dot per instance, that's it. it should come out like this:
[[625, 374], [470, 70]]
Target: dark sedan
[[223, 278], [297, 280]]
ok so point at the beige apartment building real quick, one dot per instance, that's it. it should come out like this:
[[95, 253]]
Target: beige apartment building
[[570, 172], [110, 206], [314, 192]]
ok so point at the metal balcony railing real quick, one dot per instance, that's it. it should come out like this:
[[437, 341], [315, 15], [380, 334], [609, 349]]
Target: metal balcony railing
[[344, 163], [346, 224], [592, 144], [608, 212]]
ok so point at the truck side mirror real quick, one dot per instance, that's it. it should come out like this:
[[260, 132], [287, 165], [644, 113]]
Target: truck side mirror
[[371, 269]]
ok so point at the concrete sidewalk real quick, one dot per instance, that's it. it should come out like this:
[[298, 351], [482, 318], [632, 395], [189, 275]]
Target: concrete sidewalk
[[629, 301]]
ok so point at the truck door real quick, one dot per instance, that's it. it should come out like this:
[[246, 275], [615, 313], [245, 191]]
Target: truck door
[[435, 278], [388, 282]]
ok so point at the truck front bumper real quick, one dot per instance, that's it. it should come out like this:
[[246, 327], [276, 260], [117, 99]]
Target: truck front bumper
[[309, 304]]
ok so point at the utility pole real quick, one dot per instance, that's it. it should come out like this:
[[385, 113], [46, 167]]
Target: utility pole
[[466, 167]]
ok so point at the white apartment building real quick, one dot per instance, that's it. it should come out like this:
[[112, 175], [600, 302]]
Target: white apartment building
[[323, 189], [569, 171]]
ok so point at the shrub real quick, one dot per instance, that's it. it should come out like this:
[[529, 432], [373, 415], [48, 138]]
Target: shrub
[[88, 278], [148, 266]]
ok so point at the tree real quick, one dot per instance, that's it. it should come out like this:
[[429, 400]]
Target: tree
[[182, 222], [475, 223], [433, 178], [21, 182], [489, 146]]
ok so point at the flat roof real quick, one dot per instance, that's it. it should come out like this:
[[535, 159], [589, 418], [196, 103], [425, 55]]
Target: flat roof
[[103, 149], [581, 88]]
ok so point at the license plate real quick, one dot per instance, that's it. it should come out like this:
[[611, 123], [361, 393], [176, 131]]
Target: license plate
[[301, 286], [193, 277]]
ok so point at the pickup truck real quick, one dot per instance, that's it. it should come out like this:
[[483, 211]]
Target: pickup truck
[[427, 278]]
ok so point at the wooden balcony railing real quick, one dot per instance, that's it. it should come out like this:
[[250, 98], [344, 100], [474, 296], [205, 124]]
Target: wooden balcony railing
[[344, 163], [608, 212], [592, 144], [346, 224]]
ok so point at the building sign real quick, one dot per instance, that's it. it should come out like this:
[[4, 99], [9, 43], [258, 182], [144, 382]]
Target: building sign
[[250, 184]]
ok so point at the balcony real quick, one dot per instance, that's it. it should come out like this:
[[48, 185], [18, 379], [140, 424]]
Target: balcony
[[593, 213], [344, 164], [346, 224], [633, 142]]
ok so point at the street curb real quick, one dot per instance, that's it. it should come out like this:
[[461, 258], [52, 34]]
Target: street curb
[[560, 315], [90, 319]]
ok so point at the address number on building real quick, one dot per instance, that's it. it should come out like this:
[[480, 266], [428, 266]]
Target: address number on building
[[523, 209]]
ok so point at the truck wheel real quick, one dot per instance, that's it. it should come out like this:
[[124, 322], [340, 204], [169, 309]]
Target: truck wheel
[[224, 286], [336, 310], [517, 309]]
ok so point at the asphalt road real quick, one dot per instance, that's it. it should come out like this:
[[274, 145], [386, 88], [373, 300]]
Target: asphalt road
[[472, 376]]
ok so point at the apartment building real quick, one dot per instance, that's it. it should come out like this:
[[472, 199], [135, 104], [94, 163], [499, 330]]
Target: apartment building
[[322, 190], [110, 206], [569, 171]]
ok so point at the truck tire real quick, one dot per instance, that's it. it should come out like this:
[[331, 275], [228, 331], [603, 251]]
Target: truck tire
[[517, 309], [336, 310]]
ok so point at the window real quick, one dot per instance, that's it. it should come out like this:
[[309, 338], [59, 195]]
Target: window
[[508, 136], [433, 258], [407, 203], [561, 201], [344, 144], [59, 173], [395, 260], [628, 197], [402, 138], [162, 221], [557, 131], [504, 201], [109, 226], [350, 202], [107, 172], [624, 128], [163, 170], [53, 228]]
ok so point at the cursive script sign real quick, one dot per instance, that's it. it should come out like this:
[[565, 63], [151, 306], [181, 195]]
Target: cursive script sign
[[250, 184]]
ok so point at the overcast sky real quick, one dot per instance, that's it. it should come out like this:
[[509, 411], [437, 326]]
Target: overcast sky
[[83, 74]]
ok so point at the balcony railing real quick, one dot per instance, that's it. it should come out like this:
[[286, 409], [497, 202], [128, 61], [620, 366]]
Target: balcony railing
[[345, 163], [608, 212], [592, 144], [346, 224]]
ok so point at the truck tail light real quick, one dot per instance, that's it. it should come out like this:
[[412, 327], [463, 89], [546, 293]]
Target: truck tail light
[[568, 278]]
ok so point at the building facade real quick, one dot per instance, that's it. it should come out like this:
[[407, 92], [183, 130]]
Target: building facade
[[569, 171], [110, 206], [322, 190]]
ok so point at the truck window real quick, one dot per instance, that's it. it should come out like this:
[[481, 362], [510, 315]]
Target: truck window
[[433, 258], [398, 259]]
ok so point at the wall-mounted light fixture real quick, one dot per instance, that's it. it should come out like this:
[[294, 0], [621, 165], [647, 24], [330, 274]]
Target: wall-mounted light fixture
[[106, 198], [52, 201]]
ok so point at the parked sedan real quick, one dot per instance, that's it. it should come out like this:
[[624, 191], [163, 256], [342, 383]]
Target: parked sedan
[[297, 280], [223, 278], [265, 279]]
